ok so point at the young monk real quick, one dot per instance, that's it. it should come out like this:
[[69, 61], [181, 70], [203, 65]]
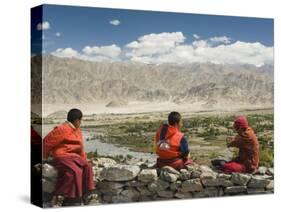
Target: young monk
[[248, 145], [171, 145], [65, 144]]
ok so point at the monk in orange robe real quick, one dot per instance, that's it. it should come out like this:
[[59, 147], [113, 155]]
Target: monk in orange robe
[[65, 144]]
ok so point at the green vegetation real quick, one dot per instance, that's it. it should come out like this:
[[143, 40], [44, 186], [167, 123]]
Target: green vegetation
[[206, 134]]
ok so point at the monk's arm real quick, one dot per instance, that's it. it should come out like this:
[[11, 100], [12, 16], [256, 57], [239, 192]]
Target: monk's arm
[[184, 147], [236, 142], [54, 138]]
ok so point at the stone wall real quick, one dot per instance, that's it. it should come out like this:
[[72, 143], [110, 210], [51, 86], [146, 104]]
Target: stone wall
[[116, 183]]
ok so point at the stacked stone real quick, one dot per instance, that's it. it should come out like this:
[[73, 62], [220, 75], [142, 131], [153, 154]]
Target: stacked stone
[[116, 183]]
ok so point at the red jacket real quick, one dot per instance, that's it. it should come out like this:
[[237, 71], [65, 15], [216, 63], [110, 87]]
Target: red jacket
[[248, 146], [64, 140], [169, 146]]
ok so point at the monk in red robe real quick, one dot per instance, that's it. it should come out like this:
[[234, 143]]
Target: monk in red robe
[[65, 144], [247, 143]]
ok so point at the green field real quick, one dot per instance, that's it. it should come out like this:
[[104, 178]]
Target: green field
[[206, 132]]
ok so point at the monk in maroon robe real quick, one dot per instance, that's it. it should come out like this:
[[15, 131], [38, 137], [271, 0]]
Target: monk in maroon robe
[[65, 144]]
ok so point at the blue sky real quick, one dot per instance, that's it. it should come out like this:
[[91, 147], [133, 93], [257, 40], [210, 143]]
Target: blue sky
[[77, 27]]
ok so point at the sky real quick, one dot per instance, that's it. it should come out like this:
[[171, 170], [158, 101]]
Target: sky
[[151, 37]]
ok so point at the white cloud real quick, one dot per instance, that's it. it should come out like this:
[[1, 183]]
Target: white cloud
[[115, 22], [200, 43], [220, 39], [152, 44], [170, 48], [43, 26], [58, 34], [196, 36], [67, 52], [95, 53], [111, 51]]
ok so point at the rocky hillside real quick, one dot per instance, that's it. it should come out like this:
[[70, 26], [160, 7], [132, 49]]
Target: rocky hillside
[[116, 183], [69, 80]]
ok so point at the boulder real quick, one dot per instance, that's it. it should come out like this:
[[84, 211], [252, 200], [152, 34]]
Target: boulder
[[235, 189], [120, 172], [175, 185], [97, 174], [191, 185], [103, 162], [183, 195], [135, 183], [48, 186], [270, 186], [261, 170], [216, 182], [207, 192], [166, 194], [128, 195], [240, 179], [255, 190], [170, 169], [144, 191], [49, 171], [169, 174], [270, 171], [158, 185], [169, 177], [111, 188], [147, 175], [184, 174], [258, 181]]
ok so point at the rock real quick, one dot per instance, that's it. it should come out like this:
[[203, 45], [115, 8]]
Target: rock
[[166, 194], [48, 186], [191, 185], [183, 195], [255, 190], [158, 185], [97, 174], [216, 182], [207, 175], [235, 189], [184, 174], [207, 192], [195, 174], [240, 179], [224, 176], [175, 185], [270, 186], [258, 181], [148, 175], [112, 188], [204, 168], [261, 170], [169, 177], [135, 183], [220, 192], [128, 195], [103, 162], [120, 172], [270, 171], [49, 171], [170, 169], [207, 172], [107, 198], [193, 167], [144, 191]]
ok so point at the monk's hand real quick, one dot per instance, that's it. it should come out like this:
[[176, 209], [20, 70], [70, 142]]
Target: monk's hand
[[228, 141]]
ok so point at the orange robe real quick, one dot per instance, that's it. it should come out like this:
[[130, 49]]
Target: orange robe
[[64, 140], [248, 146]]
